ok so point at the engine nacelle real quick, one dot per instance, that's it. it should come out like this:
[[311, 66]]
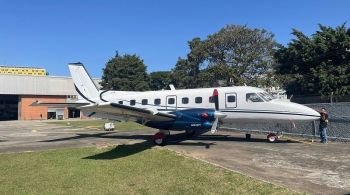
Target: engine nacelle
[[192, 119]]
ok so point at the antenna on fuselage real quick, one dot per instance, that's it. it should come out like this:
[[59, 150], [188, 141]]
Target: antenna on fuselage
[[172, 87]]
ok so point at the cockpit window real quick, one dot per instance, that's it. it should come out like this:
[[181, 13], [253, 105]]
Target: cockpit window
[[253, 97], [266, 96]]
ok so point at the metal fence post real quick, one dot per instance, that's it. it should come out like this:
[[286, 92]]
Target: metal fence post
[[314, 127]]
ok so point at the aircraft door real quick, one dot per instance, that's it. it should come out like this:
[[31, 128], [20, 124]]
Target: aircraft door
[[231, 100], [171, 102]]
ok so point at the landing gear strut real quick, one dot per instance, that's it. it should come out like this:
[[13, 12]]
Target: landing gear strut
[[190, 133]]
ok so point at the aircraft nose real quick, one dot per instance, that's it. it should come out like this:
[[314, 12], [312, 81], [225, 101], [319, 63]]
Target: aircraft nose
[[312, 112], [304, 112]]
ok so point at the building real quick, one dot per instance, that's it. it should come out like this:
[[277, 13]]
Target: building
[[18, 91]]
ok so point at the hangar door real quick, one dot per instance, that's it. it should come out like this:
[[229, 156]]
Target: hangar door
[[55, 113], [8, 107]]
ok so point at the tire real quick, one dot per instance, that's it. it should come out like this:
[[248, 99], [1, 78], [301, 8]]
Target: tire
[[159, 139], [272, 138]]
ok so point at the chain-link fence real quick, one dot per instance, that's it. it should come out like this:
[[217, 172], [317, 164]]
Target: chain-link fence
[[338, 129], [339, 119]]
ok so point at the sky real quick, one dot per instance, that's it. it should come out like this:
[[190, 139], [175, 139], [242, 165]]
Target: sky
[[50, 34]]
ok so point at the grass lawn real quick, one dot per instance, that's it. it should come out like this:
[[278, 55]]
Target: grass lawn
[[126, 169], [99, 124]]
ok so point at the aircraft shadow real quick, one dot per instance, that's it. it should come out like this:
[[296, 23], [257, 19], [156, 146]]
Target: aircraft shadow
[[81, 136], [121, 151], [236, 139], [174, 139]]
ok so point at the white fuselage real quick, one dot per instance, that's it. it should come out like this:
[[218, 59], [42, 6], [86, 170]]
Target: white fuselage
[[233, 101]]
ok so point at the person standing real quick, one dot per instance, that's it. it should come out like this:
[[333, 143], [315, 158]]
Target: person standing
[[323, 125]]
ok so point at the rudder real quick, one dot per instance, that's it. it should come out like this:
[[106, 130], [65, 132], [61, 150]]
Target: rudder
[[83, 83]]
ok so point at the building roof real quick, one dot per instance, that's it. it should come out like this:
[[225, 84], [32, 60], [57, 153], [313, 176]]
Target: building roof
[[34, 85]]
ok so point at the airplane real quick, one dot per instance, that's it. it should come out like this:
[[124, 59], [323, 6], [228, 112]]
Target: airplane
[[194, 111]]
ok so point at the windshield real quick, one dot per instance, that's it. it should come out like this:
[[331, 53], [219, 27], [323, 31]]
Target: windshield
[[253, 97], [266, 96]]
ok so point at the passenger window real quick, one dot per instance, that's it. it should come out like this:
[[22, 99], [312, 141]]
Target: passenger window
[[144, 101], [211, 99], [231, 98], [132, 102], [253, 97], [120, 102], [171, 101], [185, 100], [198, 100], [156, 101]]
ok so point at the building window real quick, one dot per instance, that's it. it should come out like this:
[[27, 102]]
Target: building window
[[156, 101], [132, 102], [144, 101], [185, 100], [198, 100], [171, 101]]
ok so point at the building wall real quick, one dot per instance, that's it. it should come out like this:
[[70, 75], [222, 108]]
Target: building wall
[[28, 112], [37, 85]]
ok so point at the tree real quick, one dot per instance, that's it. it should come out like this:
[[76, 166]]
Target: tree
[[160, 80], [235, 54], [125, 73], [247, 52], [319, 64], [187, 71]]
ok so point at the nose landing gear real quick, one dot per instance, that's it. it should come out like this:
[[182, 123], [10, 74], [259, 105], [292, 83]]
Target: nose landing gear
[[273, 137]]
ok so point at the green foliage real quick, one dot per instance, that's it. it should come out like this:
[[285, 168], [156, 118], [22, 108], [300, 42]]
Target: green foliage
[[160, 80], [235, 55], [319, 64], [125, 73]]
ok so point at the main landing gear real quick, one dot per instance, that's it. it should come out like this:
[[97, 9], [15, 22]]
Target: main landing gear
[[190, 133], [160, 137]]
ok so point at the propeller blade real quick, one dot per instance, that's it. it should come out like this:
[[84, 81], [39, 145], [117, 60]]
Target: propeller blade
[[215, 125], [218, 115], [216, 99]]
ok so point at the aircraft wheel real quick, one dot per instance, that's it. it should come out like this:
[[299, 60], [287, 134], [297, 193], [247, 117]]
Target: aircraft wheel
[[159, 139], [272, 138], [190, 133]]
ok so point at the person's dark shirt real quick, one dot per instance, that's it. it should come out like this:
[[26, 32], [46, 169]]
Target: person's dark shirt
[[324, 120]]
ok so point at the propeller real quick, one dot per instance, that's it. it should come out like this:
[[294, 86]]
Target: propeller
[[217, 114]]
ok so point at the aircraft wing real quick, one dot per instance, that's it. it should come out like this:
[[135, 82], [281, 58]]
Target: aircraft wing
[[124, 110], [38, 103]]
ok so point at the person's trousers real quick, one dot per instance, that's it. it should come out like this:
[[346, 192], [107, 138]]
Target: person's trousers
[[323, 134]]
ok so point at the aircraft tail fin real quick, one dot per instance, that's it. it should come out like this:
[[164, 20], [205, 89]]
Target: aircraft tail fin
[[83, 83]]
